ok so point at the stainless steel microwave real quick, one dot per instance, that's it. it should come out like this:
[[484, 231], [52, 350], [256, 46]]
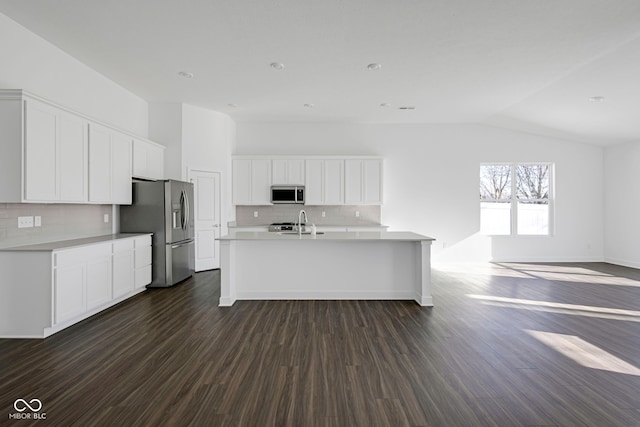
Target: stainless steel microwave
[[287, 194]]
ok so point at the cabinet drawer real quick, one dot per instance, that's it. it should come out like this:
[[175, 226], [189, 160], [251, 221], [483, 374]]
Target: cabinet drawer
[[143, 257], [123, 245], [140, 242], [79, 255], [143, 276]]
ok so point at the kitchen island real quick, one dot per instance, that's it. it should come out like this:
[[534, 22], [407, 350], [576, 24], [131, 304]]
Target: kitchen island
[[329, 266]]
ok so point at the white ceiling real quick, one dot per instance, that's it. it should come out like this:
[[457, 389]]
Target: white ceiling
[[527, 65]]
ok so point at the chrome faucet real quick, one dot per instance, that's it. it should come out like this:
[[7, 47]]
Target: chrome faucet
[[302, 212]]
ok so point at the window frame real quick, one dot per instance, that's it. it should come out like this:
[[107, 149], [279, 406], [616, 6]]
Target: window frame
[[513, 199]]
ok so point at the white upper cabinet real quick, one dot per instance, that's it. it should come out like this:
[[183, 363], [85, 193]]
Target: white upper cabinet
[[55, 154], [109, 166], [40, 149], [327, 180], [287, 172], [148, 160], [252, 182], [73, 159], [324, 182], [363, 181]]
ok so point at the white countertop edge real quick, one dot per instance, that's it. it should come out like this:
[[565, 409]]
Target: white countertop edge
[[403, 236], [72, 243]]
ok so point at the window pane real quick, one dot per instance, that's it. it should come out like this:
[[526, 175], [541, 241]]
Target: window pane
[[532, 182], [495, 182], [533, 217], [495, 217]]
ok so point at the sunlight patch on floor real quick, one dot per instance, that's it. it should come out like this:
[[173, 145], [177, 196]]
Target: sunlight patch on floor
[[561, 308], [584, 353]]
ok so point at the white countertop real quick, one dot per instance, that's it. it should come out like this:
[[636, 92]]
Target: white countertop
[[403, 236], [73, 243], [368, 226]]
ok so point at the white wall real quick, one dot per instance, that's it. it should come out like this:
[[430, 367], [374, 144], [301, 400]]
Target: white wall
[[35, 65], [165, 127], [196, 139], [431, 181], [622, 204], [208, 138]]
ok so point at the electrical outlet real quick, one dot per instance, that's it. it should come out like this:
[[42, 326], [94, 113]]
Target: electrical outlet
[[255, 214], [324, 214], [105, 218], [25, 221], [38, 221], [357, 213]]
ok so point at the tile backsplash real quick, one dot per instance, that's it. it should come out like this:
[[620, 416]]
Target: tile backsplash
[[334, 215], [59, 222]]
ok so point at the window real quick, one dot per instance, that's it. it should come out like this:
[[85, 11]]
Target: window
[[516, 199]]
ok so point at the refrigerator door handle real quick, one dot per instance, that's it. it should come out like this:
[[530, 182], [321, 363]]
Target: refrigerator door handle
[[181, 244], [188, 208], [183, 204]]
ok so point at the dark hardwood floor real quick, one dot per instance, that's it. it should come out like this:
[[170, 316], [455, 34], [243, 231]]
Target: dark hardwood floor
[[506, 345]]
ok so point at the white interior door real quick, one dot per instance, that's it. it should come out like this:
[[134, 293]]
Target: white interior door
[[206, 189]]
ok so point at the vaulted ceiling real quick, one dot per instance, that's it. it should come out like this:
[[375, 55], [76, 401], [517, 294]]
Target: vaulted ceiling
[[534, 66]]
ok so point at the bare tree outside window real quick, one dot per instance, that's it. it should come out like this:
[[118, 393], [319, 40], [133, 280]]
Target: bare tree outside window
[[495, 182], [515, 198]]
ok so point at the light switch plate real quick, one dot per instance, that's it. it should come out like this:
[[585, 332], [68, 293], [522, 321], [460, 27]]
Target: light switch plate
[[106, 218], [255, 214], [38, 221]]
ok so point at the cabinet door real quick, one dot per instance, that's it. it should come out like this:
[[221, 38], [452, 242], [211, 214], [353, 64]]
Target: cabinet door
[[287, 172], [155, 162], [313, 182], [69, 299], [295, 169], [121, 188], [261, 182], [372, 182], [140, 161], [73, 159], [40, 152], [99, 164], [279, 172], [333, 179], [148, 160], [98, 281], [353, 191], [123, 273]]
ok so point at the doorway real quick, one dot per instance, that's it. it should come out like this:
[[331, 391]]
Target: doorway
[[206, 189]]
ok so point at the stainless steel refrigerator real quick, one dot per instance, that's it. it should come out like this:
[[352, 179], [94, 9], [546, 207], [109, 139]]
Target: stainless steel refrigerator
[[164, 208]]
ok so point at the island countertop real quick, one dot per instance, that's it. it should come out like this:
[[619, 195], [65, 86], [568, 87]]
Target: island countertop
[[399, 236]]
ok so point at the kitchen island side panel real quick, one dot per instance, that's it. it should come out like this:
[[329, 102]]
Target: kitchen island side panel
[[329, 270]]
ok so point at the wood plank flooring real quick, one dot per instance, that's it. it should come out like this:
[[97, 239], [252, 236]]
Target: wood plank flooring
[[505, 345]]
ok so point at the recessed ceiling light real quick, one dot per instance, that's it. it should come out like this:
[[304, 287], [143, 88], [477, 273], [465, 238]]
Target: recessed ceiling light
[[407, 108], [185, 74], [596, 99], [277, 65], [309, 105], [375, 66], [384, 104]]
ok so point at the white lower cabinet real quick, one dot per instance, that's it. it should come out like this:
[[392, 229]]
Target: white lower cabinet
[[123, 273], [69, 292], [142, 261], [99, 280], [93, 277]]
